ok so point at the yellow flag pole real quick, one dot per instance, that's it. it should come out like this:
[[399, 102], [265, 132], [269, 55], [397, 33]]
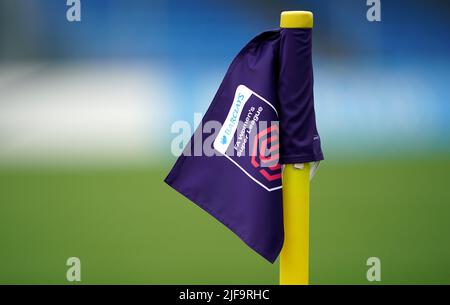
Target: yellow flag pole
[[294, 257]]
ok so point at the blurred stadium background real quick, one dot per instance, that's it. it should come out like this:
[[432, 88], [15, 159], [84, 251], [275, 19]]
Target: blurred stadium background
[[85, 129]]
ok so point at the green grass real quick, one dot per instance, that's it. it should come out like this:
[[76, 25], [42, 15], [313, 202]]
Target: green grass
[[128, 227]]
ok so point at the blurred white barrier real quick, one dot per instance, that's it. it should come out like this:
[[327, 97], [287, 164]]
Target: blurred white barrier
[[86, 111]]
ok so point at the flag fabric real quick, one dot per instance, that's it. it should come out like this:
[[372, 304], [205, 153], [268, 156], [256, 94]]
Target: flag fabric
[[262, 116]]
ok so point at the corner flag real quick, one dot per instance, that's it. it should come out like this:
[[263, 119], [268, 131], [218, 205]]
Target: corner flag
[[264, 110]]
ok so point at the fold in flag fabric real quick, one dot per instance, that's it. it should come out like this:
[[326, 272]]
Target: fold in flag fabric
[[262, 116]]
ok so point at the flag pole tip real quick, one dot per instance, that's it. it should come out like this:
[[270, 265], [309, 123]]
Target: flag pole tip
[[296, 20]]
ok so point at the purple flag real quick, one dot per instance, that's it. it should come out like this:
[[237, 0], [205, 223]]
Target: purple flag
[[262, 116]]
